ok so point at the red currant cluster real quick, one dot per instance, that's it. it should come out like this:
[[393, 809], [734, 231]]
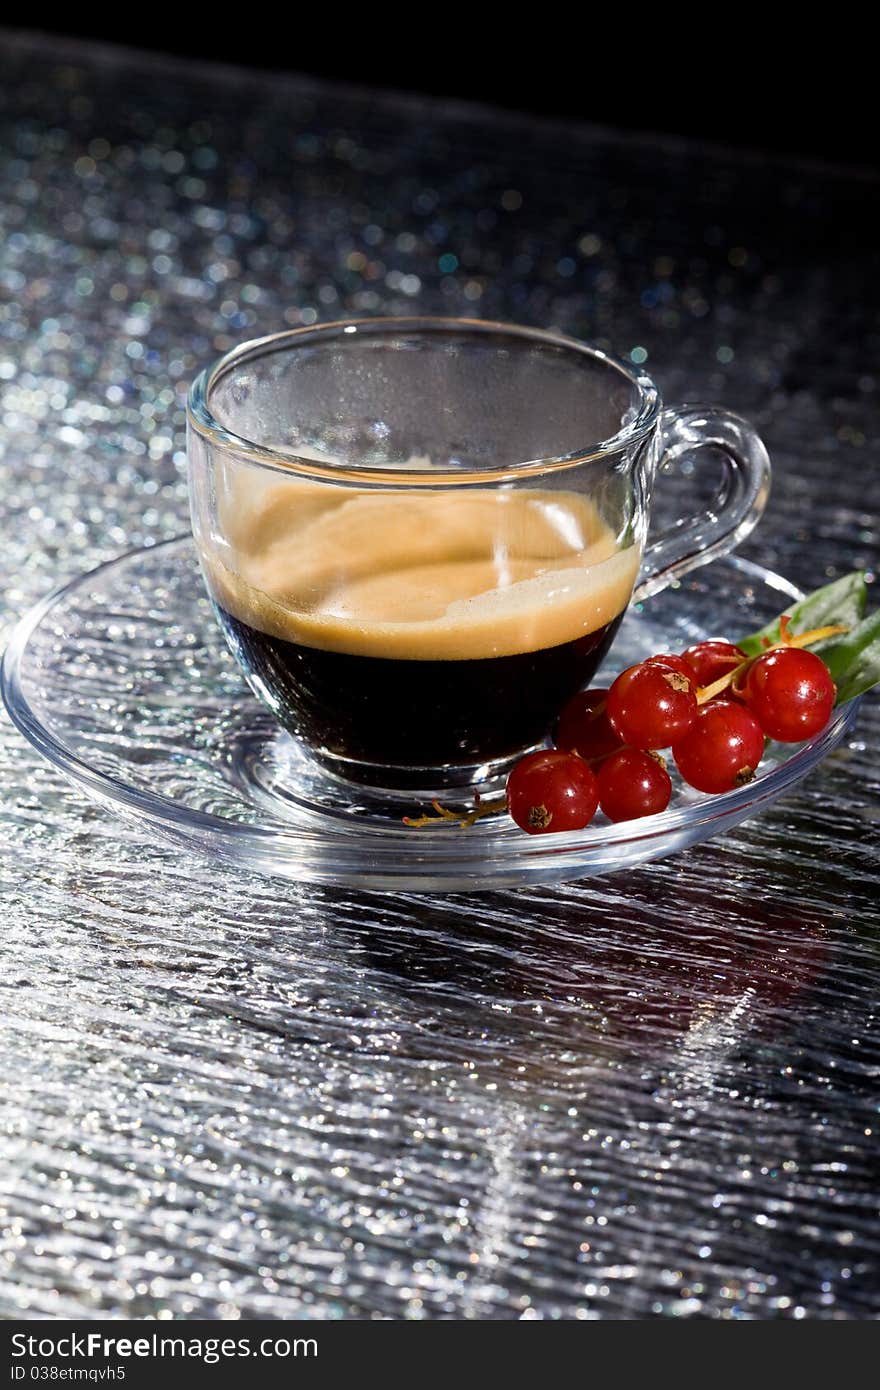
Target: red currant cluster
[[712, 706]]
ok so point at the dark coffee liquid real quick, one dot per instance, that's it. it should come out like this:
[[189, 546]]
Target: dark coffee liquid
[[399, 712], [410, 638]]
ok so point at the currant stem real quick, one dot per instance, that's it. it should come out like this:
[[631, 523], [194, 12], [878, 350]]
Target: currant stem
[[805, 639], [816, 634], [464, 819]]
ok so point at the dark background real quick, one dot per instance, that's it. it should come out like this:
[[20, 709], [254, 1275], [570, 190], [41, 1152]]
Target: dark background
[[720, 76]]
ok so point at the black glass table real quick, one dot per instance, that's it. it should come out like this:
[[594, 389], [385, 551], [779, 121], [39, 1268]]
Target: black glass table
[[648, 1094]]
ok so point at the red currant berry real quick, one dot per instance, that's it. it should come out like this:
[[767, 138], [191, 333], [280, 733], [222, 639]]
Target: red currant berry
[[712, 660], [552, 790], [584, 728], [651, 705], [677, 663], [722, 749], [791, 693], [633, 784]]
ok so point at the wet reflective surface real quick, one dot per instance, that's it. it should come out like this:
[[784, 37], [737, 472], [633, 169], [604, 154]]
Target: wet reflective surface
[[649, 1094]]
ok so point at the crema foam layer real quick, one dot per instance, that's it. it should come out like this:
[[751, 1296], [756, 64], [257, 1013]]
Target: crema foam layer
[[419, 575]]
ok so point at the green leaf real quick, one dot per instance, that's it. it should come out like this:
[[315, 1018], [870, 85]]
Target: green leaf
[[842, 601], [854, 658]]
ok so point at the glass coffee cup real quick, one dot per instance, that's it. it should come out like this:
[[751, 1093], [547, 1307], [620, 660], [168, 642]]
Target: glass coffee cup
[[421, 535]]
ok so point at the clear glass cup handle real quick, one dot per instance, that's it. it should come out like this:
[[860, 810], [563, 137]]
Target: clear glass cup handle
[[736, 507]]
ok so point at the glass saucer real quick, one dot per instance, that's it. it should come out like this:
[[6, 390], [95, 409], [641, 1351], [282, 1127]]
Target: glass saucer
[[122, 679]]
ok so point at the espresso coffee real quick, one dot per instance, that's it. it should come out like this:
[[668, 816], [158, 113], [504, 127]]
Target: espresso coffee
[[417, 629], [415, 713]]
